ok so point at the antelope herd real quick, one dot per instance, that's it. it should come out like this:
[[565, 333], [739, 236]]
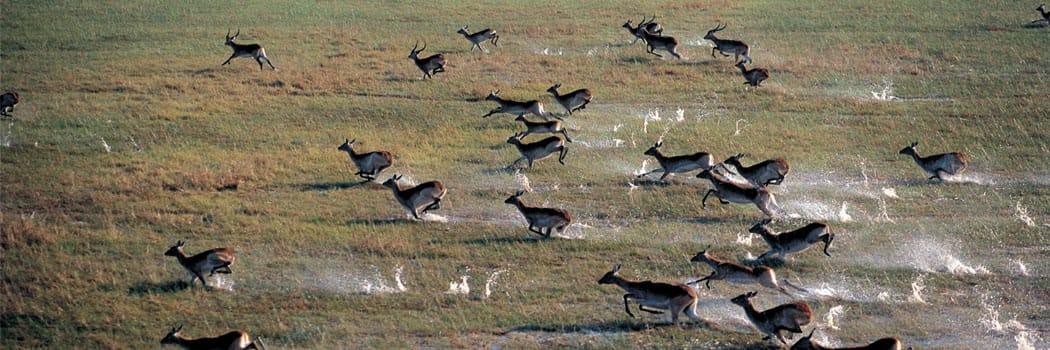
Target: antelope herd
[[652, 297]]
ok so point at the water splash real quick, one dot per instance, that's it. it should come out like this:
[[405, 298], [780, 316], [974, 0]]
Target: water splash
[[931, 255], [397, 278], [740, 128], [357, 282], [222, 283], [459, 288], [1026, 340], [916, 290], [5, 140], [1021, 213], [522, 180], [815, 210], [890, 192], [886, 94], [679, 114], [643, 169], [884, 215], [1021, 267], [833, 313], [104, 144], [549, 52], [490, 282], [654, 115], [744, 238]]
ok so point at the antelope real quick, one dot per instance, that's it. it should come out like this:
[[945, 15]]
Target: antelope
[[541, 218], [514, 107], [8, 101], [677, 164], [1042, 11], [654, 297], [235, 340], [538, 150], [553, 127], [795, 241], [426, 196], [368, 164], [477, 38], [430, 65], [791, 317], [255, 51], [726, 47], [572, 101], [658, 42], [807, 343], [768, 172], [645, 25], [211, 261], [736, 273], [730, 192], [939, 164], [754, 76]]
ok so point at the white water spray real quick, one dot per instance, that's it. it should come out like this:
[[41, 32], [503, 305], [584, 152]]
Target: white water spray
[[490, 282], [1021, 267], [459, 288], [833, 313], [1021, 213], [679, 114], [5, 140], [522, 180], [222, 283], [744, 238], [738, 127], [916, 290], [104, 144]]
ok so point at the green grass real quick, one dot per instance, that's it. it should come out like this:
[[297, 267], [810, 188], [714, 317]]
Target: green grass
[[130, 136]]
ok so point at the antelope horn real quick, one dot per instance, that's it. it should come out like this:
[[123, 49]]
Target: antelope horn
[[519, 193], [227, 33], [424, 46], [238, 32]]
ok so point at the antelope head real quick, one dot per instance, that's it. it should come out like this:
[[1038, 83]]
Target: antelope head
[[172, 337], [493, 96], [514, 199], [610, 277], [652, 151], [701, 256], [414, 54], [909, 149], [174, 251], [758, 228], [230, 39], [711, 33]]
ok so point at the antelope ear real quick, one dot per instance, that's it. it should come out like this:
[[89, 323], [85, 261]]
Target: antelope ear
[[616, 268]]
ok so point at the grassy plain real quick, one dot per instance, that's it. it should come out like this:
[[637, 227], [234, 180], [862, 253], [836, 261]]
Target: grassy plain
[[131, 136]]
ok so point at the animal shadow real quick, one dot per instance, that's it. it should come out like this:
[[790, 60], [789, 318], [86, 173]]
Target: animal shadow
[[615, 326], [146, 287], [333, 186], [507, 240]]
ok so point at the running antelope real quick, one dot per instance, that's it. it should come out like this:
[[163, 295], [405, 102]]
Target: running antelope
[[8, 101], [255, 51], [659, 42], [426, 196], [1042, 11], [677, 164], [368, 164], [655, 297], [541, 218], [210, 261], [514, 107], [477, 38], [784, 243], [235, 340], [790, 317], [553, 127], [764, 173], [538, 150], [736, 273], [572, 101], [731, 192], [726, 47], [645, 25], [807, 343], [754, 76], [939, 164], [431, 65]]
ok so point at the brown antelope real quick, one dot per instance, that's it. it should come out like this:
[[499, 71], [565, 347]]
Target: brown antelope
[[726, 47], [431, 65], [807, 343], [553, 127], [659, 42], [731, 192], [790, 317], [235, 340], [541, 218], [426, 196], [645, 25], [784, 243], [368, 164], [538, 150], [1042, 11], [654, 297], [754, 76], [477, 38], [677, 164], [210, 261], [736, 273], [939, 164], [8, 101], [514, 107], [255, 51], [572, 101], [768, 172]]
